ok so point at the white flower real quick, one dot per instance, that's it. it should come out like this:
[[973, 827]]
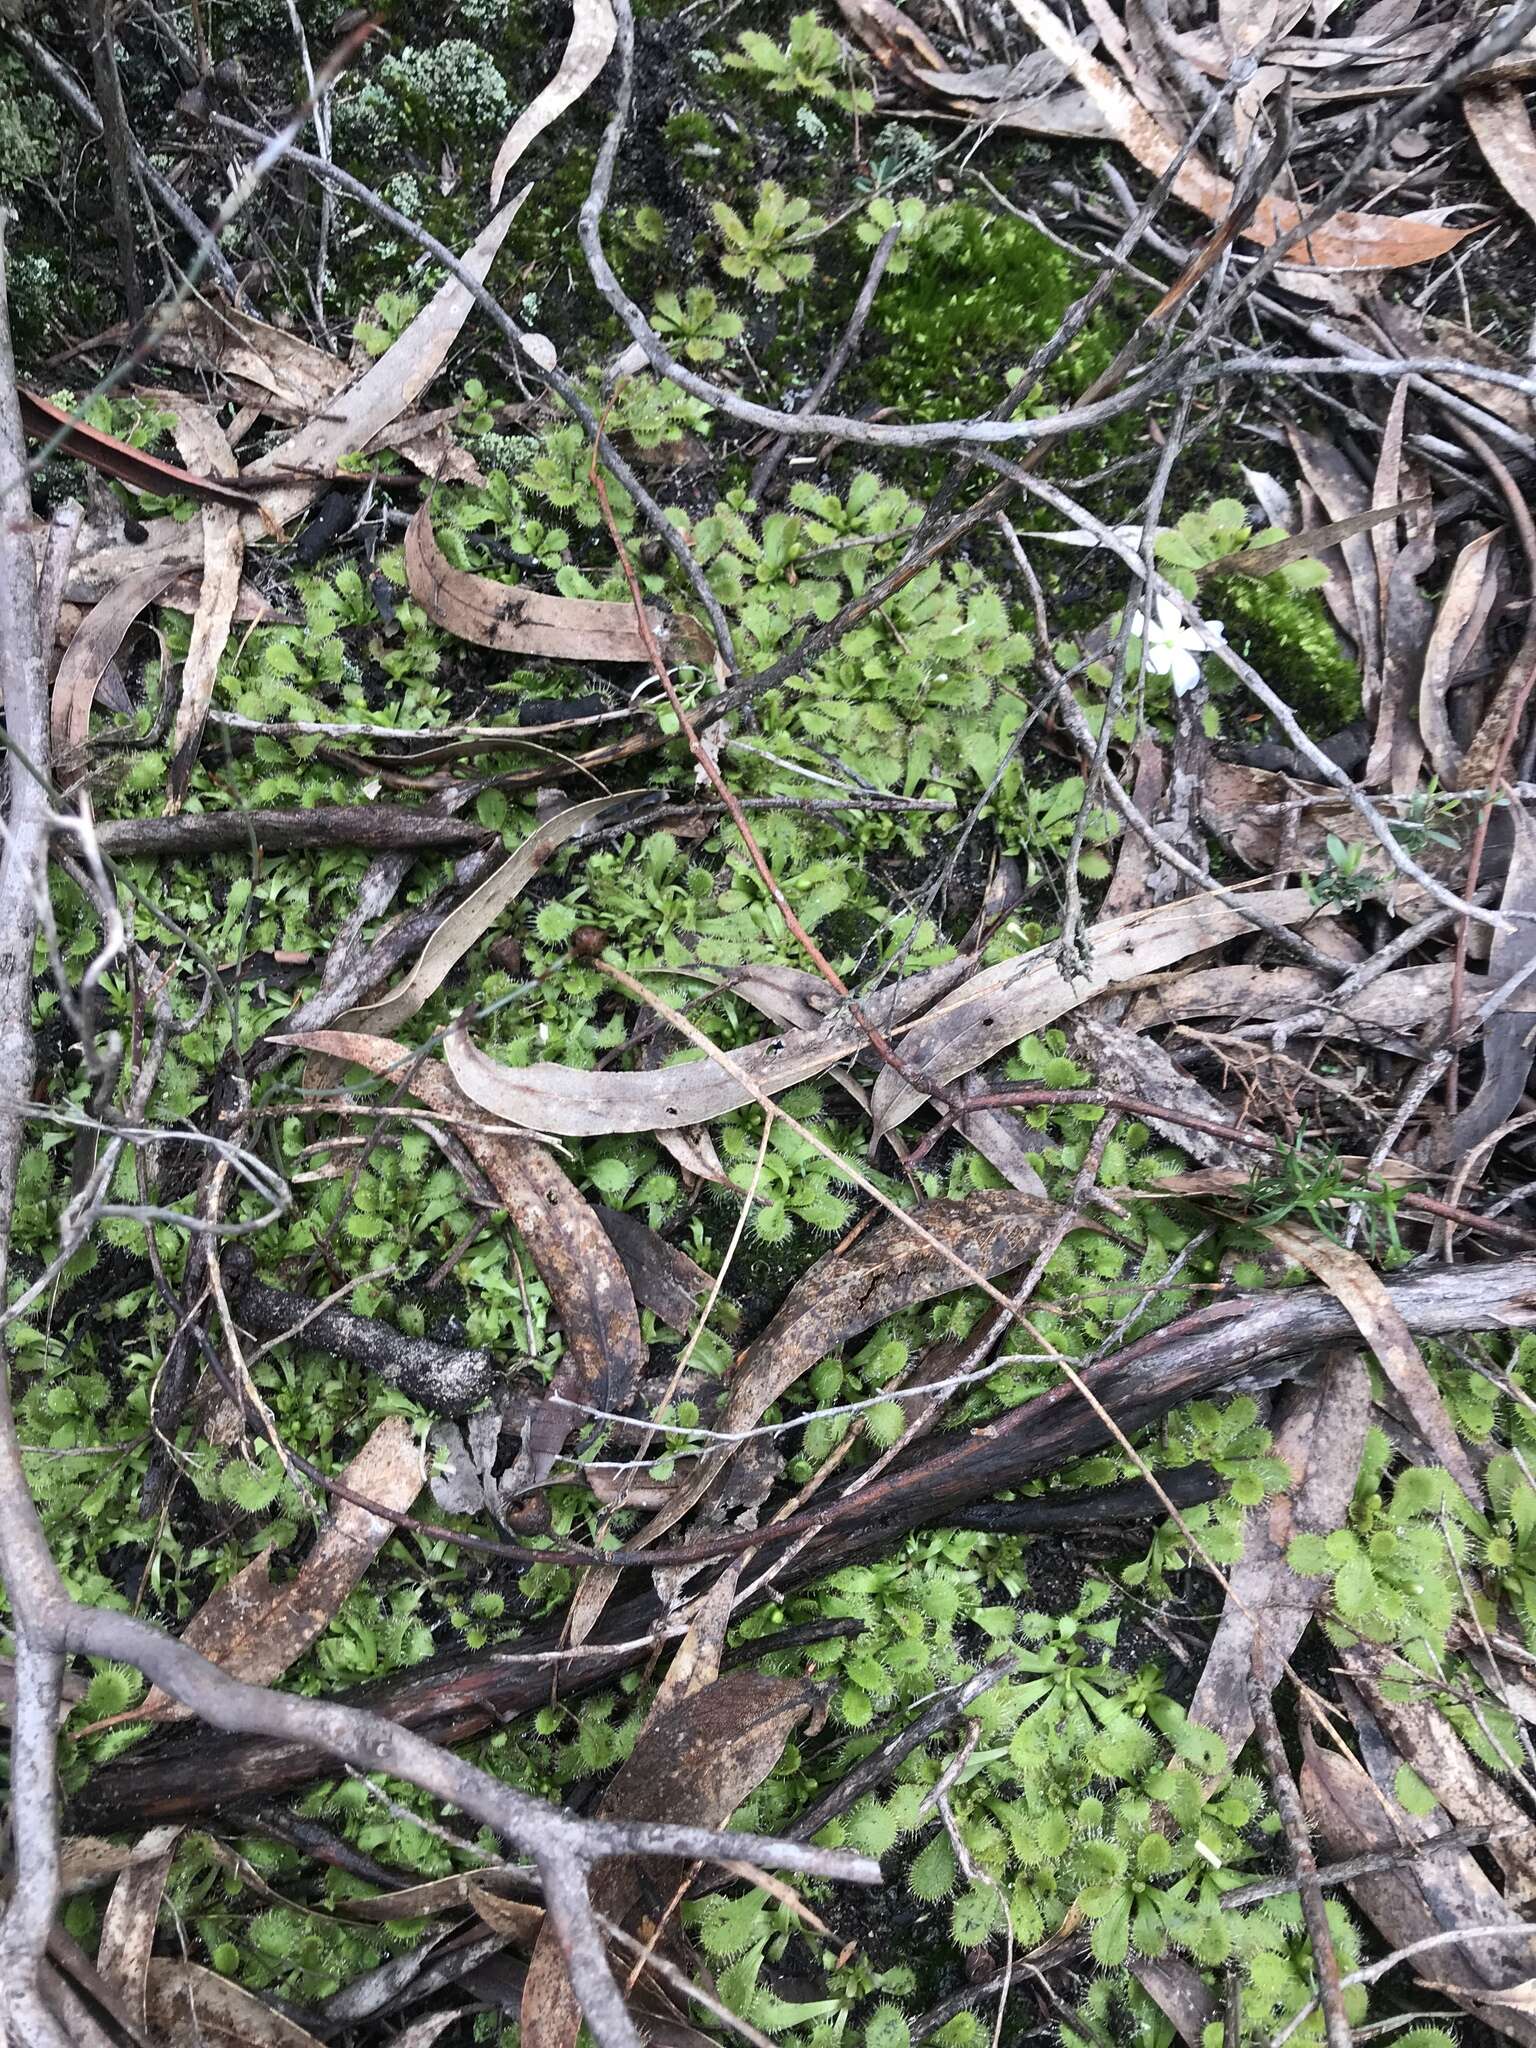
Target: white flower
[[1172, 648]]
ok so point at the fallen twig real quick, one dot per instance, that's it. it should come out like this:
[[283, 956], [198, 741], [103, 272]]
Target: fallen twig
[[440, 1377], [374, 827], [1288, 1805]]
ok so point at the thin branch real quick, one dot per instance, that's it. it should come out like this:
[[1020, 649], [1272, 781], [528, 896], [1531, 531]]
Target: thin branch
[[1313, 1910], [768, 467]]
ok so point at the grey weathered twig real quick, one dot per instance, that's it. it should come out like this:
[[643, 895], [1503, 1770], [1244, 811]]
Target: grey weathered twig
[[1448, 1843], [768, 465], [441, 1377], [24, 1560], [379, 827], [1314, 1911]]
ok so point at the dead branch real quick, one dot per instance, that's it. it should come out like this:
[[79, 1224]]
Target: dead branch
[[374, 827], [1314, 1912], [1235, 1345], [25, 1563], [440, 1377], [116, 138]]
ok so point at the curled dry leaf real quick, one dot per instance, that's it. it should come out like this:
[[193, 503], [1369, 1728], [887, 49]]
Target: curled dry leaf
[[1360, 1289], [593, 34], [1221, 1180], [693, 1765], [131, 1916], [1319, 1432], [1470, 1794], [518, 1921], [58, 551], [463, 1478], [1004, 1003], [1397, 751], [696, 1661], [86, 1861], [466, 925], [1347, 241], [1469, 591], [202, 440], [665, 1279], [590, 1292], [426, 2032], [1506, 1035], [273, 372], [1004, 1140], [99, 565], [95, 646], [1125, 1063], [187, 2003], [513, 620], [1353, 597], [695, 1152], [572, 1102], [791, 997], [42, 419], [1070, 114], [255, 1630], [1501, 127], [1179, 1992], [1031, 97], [1429, 334], [263, 366], [1419, 1898], [1313, 540], [1131, 885], [387, 388], [1394, 1005], [844, 1294], [891, 37]]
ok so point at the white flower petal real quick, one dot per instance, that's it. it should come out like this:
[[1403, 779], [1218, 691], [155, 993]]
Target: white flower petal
[[1183, 670]]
